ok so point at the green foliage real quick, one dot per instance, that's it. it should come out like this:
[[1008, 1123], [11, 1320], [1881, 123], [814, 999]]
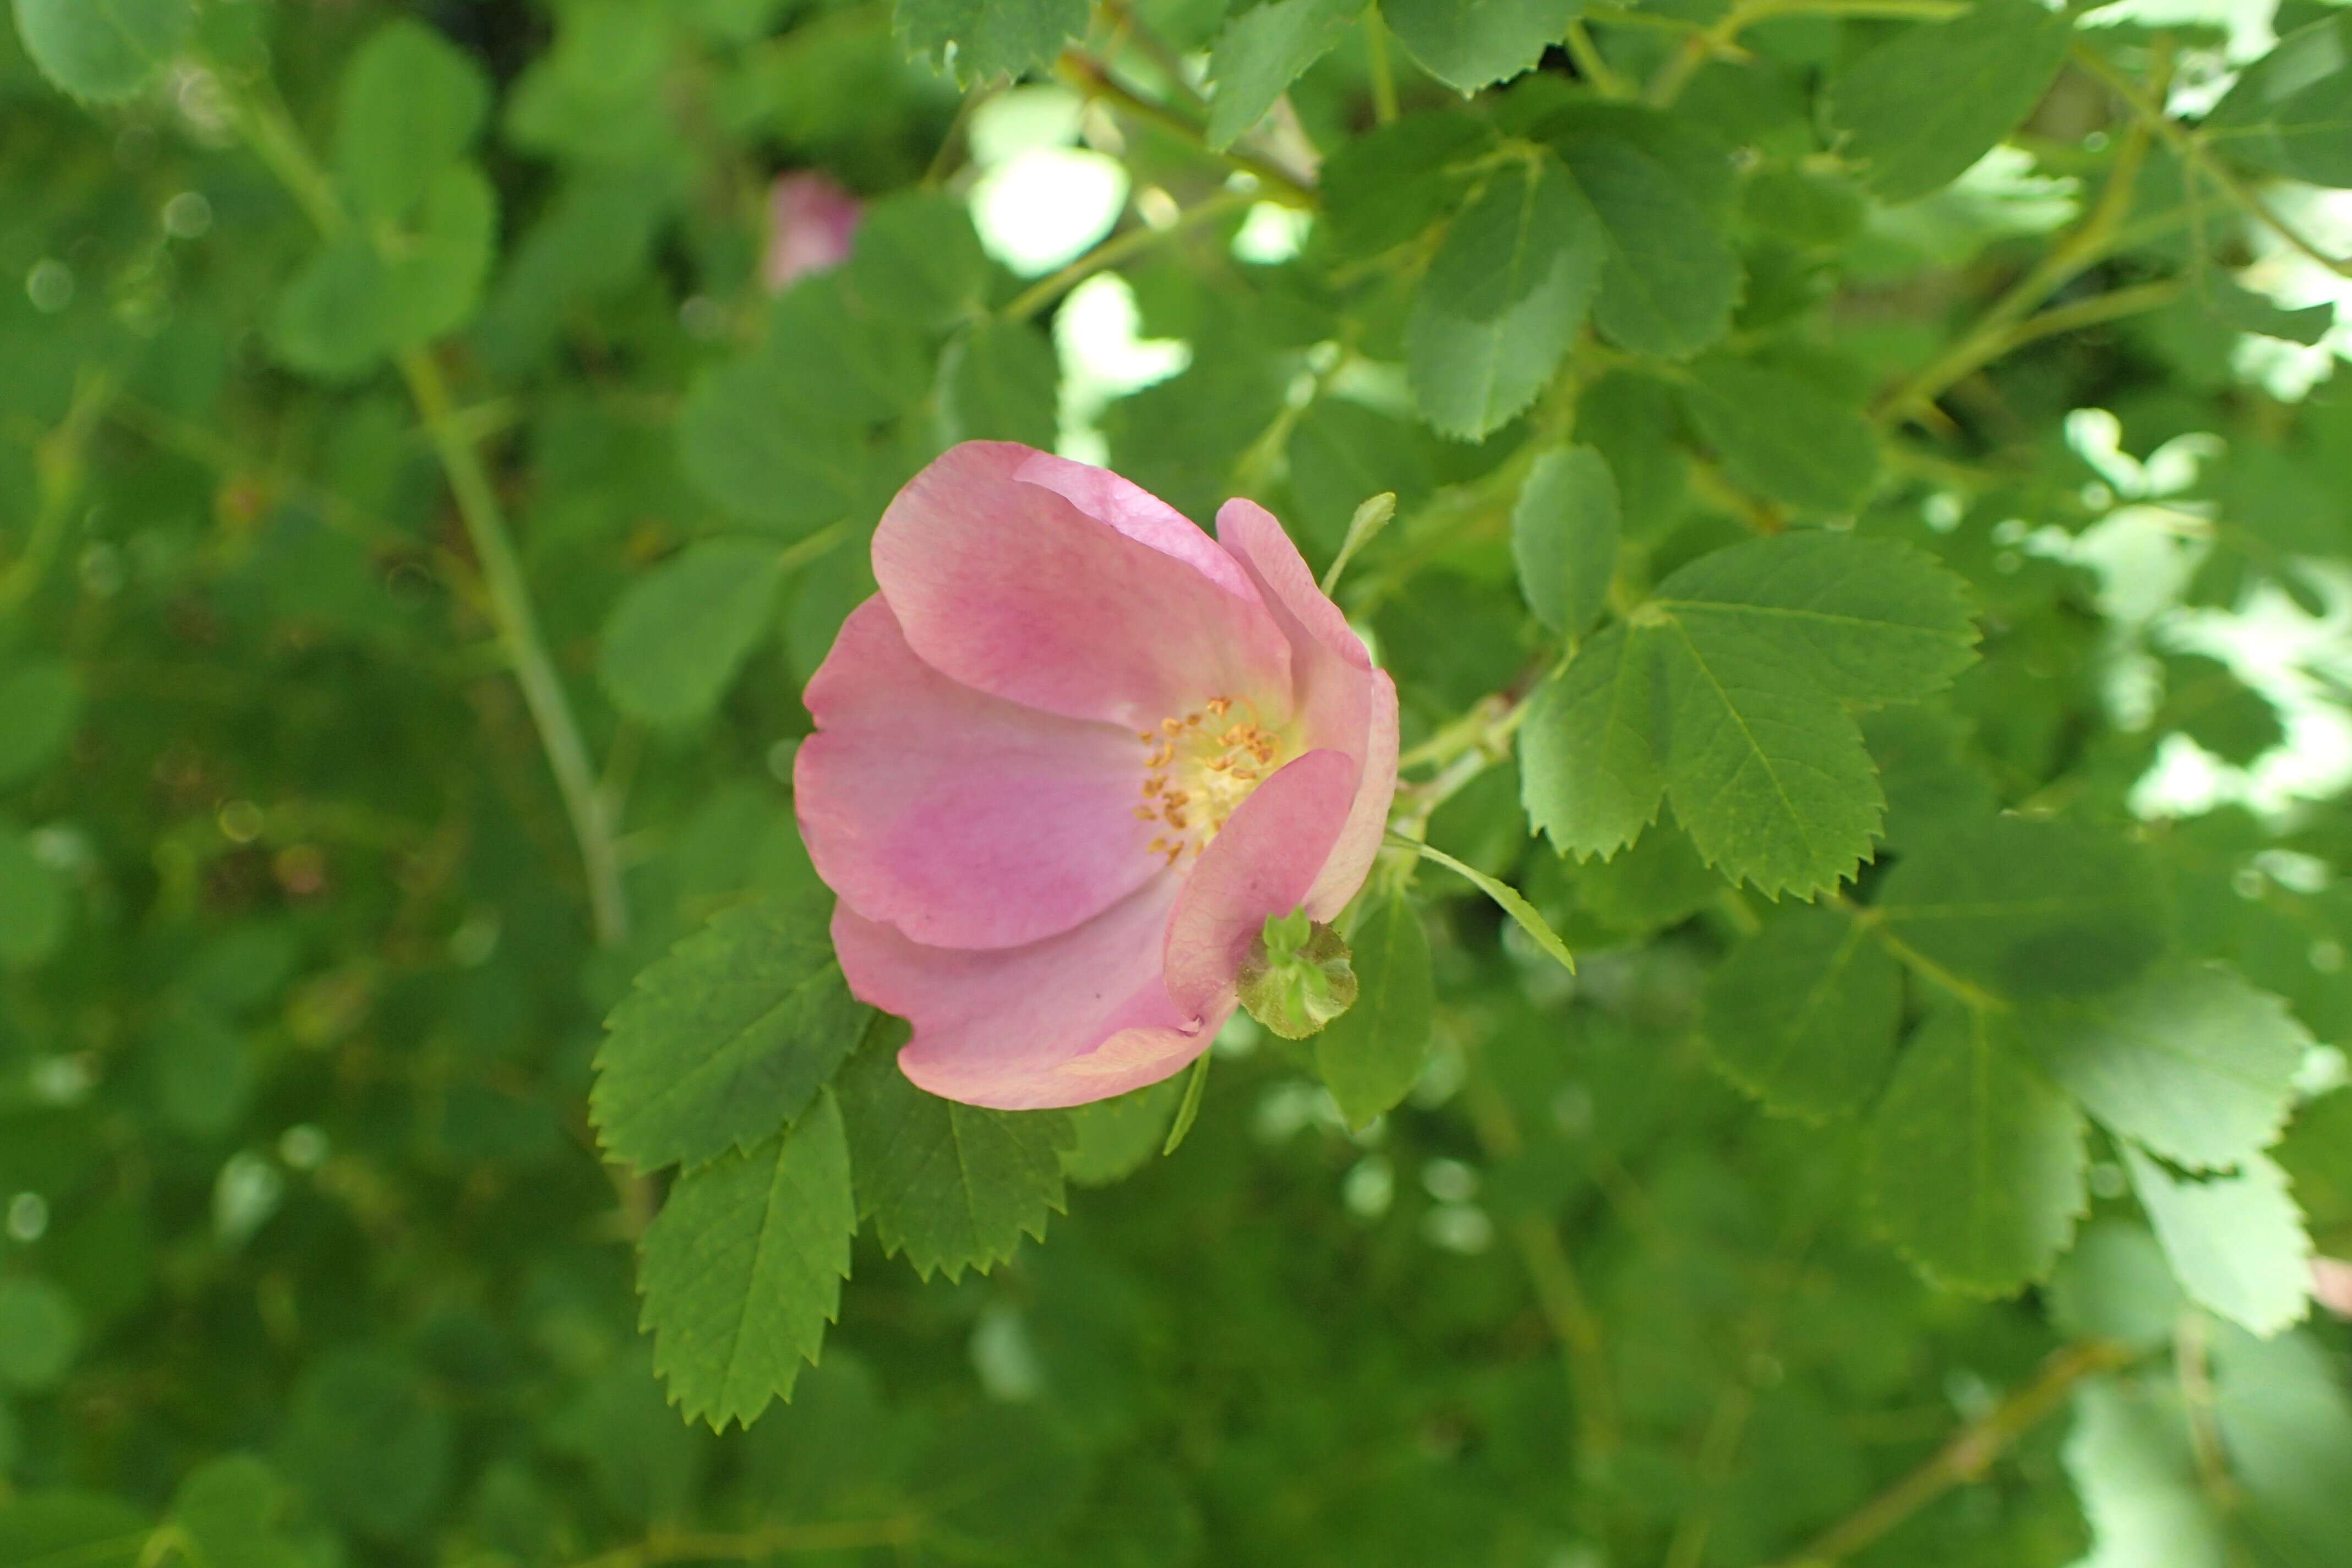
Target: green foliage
[[1564, 536], [1262, 51], [1672, 278], [951, 1186], [1727, 693], [1803, 1014], [1851, 503], [1975, 1161], [679, 635], [1467, 43], [982, 40], [1919, 109], [1502, 298], [1369, 1056], [1777, 431], [743, 1268], [39, 1333], [1000, 383], [727, 1040], [412, 104], [2235, 1241], [102, 49], [40, 704], [2194, 1064], [2285, 115]]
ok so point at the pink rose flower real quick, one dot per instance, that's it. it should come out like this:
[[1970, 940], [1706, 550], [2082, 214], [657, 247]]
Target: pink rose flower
[[810, 222], [1068, 760]]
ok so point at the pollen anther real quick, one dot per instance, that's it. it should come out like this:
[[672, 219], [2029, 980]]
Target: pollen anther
[[1196, 775]]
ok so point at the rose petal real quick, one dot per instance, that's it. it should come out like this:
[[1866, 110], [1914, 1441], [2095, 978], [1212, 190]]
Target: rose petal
[[1004, 586], [1113, 499], [1367, 816], [963, 820], [1076, 1018], [1264, 863], [1347, 703]]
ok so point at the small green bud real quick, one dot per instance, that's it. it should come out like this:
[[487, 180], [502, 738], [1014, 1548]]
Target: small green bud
[[1297, 976]]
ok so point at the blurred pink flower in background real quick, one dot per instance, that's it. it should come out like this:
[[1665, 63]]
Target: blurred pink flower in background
[[810, 222], [2331, 1285], [1068, 760]]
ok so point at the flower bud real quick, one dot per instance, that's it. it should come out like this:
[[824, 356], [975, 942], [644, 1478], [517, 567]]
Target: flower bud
[[1297, 976]]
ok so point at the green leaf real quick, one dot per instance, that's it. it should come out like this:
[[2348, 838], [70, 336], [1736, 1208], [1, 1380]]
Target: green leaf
[[229, 1511], [678, 637], [952, 1186], [1976, 1162], [726, 1039], [1001, 382], [2194, 1064], [1763, 646], [1767, 771], [1588, 775], [1529, 919], [991, 38], [434, 271], [335, 318], [358, 299], [103, 50], [1803, 1014], [846, 355], [1919, 109], [2285, 1422], [2291, 112], [1187, 1109], [2115, 1285], [1259, 53], [746, 443], [1466, 44], [70, 1530], [40, 1333], [1783, 435], [1502, 300], [917, 248], [1112, 1139], [2243, 310], [744, 1269], [2236, 1242], [2204, 699], [204, 1074], [1672, 277], [1865, 620], [2028, 909], [371, 1450], [40, 706], [1389, 185], [2130, 1459], [412, 104], [2317, 1153], [1564, 533], [35, 906], [1370, 1055]]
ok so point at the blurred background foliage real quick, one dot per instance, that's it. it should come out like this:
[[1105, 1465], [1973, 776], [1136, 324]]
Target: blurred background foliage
[[417, 517]]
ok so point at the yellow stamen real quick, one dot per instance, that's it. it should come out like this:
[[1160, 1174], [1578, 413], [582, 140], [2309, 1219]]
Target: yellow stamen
[[1196, 773]]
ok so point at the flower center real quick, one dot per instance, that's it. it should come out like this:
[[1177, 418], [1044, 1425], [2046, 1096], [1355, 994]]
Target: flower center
[[1198, 769]]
